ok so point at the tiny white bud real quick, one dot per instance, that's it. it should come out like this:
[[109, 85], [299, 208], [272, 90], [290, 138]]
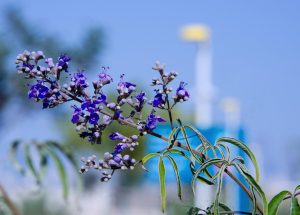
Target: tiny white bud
[[78, 128]]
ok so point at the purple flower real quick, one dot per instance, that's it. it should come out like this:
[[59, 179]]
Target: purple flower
[[116, 136], [93, 119], [181, 93], [158, 100], [38, 91], [49, 62], [93, 105], [88, 105], [106, 120], [76, 114], [101, 99], [104, 78], [63, 62], [152, 120], [27, 67], [119, 148], [118, 115], [125, 88], [140, 101], [79, 80]]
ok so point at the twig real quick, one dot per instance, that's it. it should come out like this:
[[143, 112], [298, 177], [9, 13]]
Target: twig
[[9, 202]]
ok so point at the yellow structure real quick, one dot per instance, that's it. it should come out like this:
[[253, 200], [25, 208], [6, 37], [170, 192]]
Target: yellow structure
[[195, 33]]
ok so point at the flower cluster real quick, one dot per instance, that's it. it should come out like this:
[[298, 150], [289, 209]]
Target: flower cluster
[[93, 113], [161, 99], [110, 162], [126, 142]]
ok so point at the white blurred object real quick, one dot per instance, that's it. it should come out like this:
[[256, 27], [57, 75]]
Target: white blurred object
[[231, 108], [200, 34]]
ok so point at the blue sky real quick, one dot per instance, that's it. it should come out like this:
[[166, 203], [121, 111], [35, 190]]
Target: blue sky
[[256, 50]]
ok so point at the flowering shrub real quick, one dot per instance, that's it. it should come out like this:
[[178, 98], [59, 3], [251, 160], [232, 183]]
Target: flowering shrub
[[93, 112]]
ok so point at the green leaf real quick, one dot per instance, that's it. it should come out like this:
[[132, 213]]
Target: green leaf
[[202, 168], [227, 150], [200, 178], [295, 208], [245, 149], [252, 182], [171, 136], [296, 189], [148, 157], [224, 207], [13, 157], [254, 200], [162, 181], [219, 187], [276, 201], [29, 163], [201, 137], [179, 192], [43, 161], [61, 171], [66, 151], [192, 166], [189, 146], [193, 211]]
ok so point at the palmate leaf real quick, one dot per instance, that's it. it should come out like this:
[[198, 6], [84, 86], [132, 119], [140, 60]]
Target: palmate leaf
[[201, 137], [189, 146], [192, 166], [45, 152], [222, 208], [175, 168], [199, 177], [276, 201], [65, 150], [148, 157], [61, 171], [44, 158], [13, 157], [162, 182], [30, 165], [296, 189], [193, 211], [162, 176], [295, 208], [245, 149], [202, 168], [219, 187], [173, 136], [252, 182]]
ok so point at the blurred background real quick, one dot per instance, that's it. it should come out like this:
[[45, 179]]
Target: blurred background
[[240, 60]]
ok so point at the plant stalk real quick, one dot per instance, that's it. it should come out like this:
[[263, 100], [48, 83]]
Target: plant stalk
[[9, 202]]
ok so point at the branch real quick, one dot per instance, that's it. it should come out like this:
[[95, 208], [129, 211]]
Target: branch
[[9, 202]]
